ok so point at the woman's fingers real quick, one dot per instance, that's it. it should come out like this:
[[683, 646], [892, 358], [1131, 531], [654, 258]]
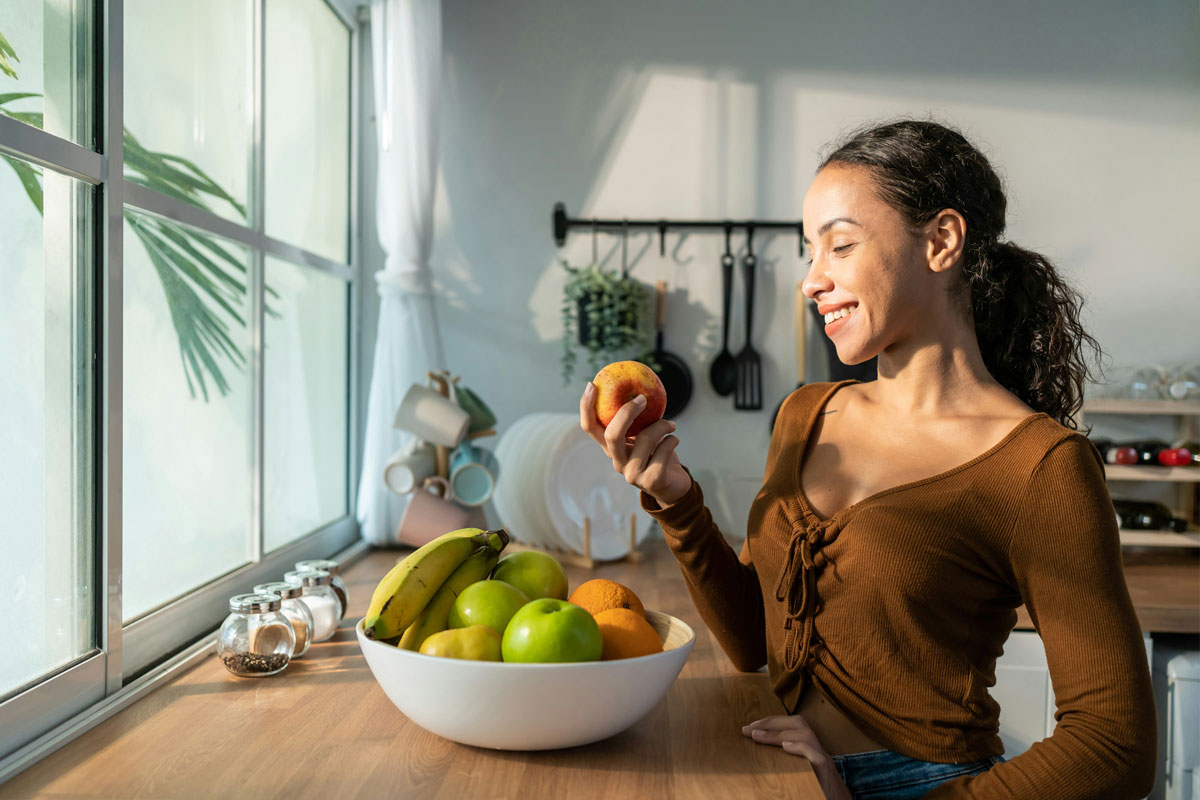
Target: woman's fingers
[[645, 445], [587, 415], [614, 435]]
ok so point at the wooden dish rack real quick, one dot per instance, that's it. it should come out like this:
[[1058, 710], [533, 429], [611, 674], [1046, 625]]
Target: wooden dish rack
[[442, 381]]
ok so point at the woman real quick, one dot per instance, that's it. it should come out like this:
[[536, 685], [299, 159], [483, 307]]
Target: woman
[[903, 520]]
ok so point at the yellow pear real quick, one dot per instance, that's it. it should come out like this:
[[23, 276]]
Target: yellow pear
[[476, 642]]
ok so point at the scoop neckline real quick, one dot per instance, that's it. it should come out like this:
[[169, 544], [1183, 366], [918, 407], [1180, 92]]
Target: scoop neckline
[[811, 422]]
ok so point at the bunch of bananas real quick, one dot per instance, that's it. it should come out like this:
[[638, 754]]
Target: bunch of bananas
[[413, 600]]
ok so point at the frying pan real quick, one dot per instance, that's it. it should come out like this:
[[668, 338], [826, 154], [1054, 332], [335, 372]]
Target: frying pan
[[672, 371]]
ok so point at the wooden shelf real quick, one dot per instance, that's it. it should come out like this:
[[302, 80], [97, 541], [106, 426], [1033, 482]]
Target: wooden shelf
[[1159, 539], [1119, 405], [1123, 472]]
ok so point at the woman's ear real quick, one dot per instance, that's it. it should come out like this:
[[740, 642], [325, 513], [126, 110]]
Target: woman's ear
[[947, 234]]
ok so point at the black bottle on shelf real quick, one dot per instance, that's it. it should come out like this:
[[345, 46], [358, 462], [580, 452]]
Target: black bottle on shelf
[[1144, 515]]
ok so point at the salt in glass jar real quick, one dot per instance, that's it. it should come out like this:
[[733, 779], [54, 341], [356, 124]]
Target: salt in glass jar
[[256, 639], [296, 612], [333, 568], [319, 596]]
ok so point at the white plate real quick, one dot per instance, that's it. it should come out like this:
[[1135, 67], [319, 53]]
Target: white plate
[[533, 493], [557, 429], [507, 497], [581, 481]]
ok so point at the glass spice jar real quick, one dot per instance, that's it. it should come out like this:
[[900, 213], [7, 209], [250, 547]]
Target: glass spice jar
[[319, 596], [256, 639], [296, 612], [333, 568]]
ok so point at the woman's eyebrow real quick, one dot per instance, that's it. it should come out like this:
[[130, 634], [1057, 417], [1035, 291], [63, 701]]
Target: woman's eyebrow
[[828, 225]]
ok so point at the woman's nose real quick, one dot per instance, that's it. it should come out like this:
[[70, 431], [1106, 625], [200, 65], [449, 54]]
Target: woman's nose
[[816, 281]]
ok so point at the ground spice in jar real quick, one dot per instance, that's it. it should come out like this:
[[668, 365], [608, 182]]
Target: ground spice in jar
[[301, 629], [254, 664]]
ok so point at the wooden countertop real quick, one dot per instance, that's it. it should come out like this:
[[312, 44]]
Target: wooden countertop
[[323, 728], [1164, 584]]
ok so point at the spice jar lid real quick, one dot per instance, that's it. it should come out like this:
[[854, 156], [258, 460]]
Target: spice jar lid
[[281, 588], [255, 602], [327, 564], [308, 577]]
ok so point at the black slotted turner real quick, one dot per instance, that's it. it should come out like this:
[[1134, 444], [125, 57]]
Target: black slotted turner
[[748, 395]]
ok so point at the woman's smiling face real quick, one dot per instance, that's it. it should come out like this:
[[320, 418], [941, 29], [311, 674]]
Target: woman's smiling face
[[867, 270]]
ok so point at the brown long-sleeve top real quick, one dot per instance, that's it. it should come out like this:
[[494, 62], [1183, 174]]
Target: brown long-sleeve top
[[897, 607]]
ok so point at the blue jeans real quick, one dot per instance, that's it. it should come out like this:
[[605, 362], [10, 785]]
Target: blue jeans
[[888, 775]]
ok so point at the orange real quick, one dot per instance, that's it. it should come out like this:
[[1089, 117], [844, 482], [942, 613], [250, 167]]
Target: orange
[[626, 634], [600, 594]]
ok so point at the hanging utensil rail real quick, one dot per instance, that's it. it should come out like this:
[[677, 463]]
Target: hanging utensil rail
[[563, 224]]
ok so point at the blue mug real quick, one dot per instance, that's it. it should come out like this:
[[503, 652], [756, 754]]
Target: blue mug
[[474, 471]]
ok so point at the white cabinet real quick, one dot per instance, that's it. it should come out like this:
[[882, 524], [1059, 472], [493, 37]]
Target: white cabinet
[[1025, 694]]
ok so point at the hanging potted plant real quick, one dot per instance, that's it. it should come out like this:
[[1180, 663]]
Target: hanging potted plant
[[603, 312]]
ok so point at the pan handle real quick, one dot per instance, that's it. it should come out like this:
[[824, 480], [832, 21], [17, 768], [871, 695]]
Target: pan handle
[[660, 305]]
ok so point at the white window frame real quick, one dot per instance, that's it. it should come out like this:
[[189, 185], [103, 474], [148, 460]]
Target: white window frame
[[134, 657]]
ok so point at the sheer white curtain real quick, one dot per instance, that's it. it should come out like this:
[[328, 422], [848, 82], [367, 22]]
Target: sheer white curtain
[[406, 43]]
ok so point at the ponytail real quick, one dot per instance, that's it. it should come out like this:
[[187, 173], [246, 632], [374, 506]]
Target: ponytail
[[1027, 324]]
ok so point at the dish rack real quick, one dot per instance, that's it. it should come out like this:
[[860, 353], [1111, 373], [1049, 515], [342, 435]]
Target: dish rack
[[584, 559]]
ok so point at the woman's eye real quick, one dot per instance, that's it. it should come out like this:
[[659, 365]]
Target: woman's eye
[[842, 248]]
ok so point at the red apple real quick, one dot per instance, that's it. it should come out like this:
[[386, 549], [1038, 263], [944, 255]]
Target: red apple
[[620, 382]]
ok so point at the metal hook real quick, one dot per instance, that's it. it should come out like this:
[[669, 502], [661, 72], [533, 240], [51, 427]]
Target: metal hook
[[662, 237], [749, 239], [800, 239], [595, 252], [728, 233]]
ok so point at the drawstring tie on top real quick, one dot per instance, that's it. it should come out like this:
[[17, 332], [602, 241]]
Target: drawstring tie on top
[[797, 587]]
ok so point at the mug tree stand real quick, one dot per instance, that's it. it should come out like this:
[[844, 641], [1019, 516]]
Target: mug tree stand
[[585, 558]]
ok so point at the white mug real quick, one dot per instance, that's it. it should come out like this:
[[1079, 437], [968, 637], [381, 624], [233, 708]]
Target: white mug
[[432, 417], [409, 467]]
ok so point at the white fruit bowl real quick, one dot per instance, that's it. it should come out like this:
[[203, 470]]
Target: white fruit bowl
[[529, 706]]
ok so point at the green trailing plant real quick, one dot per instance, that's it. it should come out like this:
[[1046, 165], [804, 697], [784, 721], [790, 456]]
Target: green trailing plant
[[200, 276], [606, 314]]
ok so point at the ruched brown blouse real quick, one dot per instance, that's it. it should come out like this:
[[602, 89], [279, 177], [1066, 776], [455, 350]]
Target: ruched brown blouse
[[897, 607]]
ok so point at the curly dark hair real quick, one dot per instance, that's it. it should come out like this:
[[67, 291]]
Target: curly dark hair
[[1026, 317]]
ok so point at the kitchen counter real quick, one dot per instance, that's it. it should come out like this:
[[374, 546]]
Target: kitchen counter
[[1164, 584], [323, 727]]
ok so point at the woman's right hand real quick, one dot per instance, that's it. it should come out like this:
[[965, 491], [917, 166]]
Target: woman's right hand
[[648, 460]]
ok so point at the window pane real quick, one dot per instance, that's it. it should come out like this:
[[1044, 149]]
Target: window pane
[[187, 426], [46, 52], [187, 95], [46, 347], [305, 402], [308, 127]]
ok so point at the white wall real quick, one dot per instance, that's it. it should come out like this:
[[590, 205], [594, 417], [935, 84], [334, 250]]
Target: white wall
[[1091, 112]]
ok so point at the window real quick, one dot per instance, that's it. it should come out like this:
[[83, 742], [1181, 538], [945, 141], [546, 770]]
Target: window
[[176, 327]]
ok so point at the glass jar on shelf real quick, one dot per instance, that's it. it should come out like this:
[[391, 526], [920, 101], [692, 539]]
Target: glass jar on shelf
[[295, 610], [334, 569], [317, 593], [256, 639]]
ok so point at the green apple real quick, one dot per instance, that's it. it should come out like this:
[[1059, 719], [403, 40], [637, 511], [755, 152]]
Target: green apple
[[476, 642], [551, 630], [490, 603], [536, 574]]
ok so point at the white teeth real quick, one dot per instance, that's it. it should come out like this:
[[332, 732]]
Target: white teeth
[[841, 312]]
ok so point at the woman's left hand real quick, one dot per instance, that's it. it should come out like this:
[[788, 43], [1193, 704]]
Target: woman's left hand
[[793, 734]]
